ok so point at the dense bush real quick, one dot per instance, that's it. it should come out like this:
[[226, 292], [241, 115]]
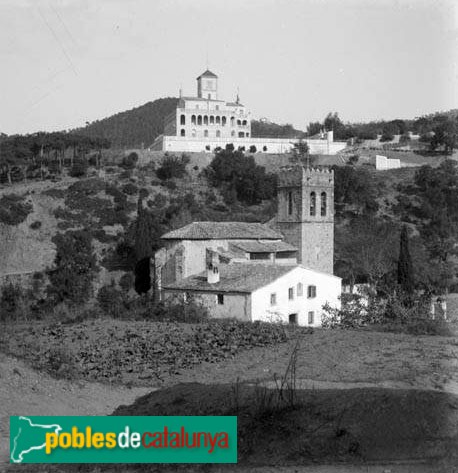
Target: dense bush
[[396, 313], [233, 171], [79, 168], [172, 167], [14, 209], [130, 189], [11, 301], [74, 268], [129, 161]]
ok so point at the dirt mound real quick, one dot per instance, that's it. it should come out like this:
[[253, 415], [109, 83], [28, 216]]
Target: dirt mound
[[326, 426]]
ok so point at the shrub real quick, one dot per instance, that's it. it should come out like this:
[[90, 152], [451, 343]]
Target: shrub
[[79, 168], [35, 225], [11, 301], [171, 167], [129, 161], [130, 189], [13, 209], [264, 148], [171, 185], [110, 300], [253, 149]]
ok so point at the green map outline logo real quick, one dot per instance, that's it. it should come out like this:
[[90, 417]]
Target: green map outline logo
[[19, 458]]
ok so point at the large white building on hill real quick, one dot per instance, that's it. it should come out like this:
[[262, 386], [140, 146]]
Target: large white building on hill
[[206, 122], [281, 271]]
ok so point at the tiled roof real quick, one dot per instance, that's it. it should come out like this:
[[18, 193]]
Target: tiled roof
[[223, 231], [208, 73], [264, 247], [237, 277]]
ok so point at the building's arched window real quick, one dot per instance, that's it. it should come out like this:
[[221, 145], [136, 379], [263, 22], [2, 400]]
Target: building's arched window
[[232, 121], [247, 135], [183, 132], [290, 203], [193, 119], [183, 120], [223, 121], [199, 120], [232, 133], [193, 133], [218, 134], [206, 133], [244, 122], [218, 120], [324, 204], [205, 119], [239, 122], [212, 120], [312, 204], [241, 134]]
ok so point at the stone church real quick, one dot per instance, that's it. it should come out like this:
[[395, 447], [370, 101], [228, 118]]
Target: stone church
[[281, 270]]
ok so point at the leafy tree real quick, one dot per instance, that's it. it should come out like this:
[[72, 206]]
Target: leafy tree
[[354, 190], [446, 135], [234, 171], [437, 191], [300, 153], [405, 268], [313, 128], [75, 266], [364, 250]]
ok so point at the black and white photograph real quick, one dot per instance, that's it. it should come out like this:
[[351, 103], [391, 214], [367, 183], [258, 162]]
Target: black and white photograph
[[229, 236]]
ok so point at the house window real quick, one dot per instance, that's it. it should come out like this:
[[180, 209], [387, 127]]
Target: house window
[[220, 298], [183, 132], [193, 133], [205, 119], [193, 119], [292, 319], [218, 120], [212, 120], [218, 134], [206, 133], [312, 204], [300, 289], [241, 134], [323, 204], [273, 299], [311, 317], [223, 121], [199, 120], [291, 293], [311, 292], [290, 203], [183, 120]]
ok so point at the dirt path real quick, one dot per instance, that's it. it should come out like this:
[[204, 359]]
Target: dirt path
[[24, 391]]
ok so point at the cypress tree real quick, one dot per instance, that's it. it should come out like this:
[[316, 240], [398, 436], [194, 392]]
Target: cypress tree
[[405, 268], [146, 244]]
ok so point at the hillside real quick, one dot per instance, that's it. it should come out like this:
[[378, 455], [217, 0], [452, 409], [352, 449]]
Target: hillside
[[133, 128]]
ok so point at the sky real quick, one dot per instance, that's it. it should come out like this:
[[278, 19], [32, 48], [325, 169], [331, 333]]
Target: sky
[[67, 62]]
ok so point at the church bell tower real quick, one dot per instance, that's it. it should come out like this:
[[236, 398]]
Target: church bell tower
[[305, 214]]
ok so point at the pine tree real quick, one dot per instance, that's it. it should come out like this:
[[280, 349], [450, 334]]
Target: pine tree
[[405, 268]]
